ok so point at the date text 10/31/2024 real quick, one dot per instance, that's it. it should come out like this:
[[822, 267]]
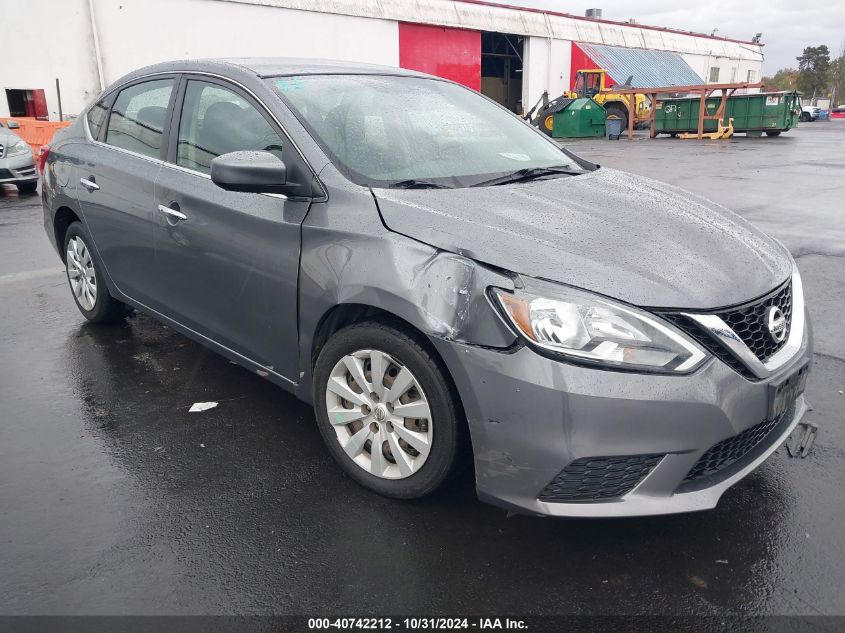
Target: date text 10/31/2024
[[414, 624]]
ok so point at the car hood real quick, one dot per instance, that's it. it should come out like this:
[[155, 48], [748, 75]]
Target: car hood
[[608, 231]]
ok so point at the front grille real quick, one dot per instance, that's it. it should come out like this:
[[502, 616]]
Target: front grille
[[730, 455], [597, 478], [748, 321], [5, 173]]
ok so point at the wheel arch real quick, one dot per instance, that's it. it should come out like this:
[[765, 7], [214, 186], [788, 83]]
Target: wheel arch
[[62, 219], [346, 314]]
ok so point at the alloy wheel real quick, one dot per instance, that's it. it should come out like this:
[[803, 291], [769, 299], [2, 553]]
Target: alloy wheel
[[380, 414], [80, 273]]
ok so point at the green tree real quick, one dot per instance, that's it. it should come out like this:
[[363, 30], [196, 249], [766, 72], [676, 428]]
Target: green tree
[[838, 80], [784, 79], [814, 71]]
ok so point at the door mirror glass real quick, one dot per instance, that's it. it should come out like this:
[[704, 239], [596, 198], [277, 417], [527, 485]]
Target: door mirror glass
[[250, 171]]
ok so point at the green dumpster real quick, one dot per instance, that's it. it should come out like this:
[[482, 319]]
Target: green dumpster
[[579, 118], [753, 114]]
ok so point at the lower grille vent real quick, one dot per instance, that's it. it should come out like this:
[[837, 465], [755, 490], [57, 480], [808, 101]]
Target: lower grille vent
[[597, 478]]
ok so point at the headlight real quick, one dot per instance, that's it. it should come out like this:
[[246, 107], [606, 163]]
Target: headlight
[[18, 148], [590, 329]]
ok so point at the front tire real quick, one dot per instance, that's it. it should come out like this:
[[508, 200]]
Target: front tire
[[86, 281], [385, 410], [773, 133]]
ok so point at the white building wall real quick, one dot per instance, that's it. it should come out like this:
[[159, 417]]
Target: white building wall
[[546, 66], [133, 33], [35, 51], [731, 69]]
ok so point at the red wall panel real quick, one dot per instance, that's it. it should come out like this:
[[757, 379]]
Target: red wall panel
[[582, 61], [449, 53]]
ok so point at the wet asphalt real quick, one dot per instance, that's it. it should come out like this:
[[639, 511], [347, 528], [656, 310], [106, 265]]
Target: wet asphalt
[[115, 499]]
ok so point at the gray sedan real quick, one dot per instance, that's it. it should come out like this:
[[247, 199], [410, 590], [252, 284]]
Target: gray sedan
[[441, 281]]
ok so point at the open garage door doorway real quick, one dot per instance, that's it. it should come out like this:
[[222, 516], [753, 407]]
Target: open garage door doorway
[[501, 68]]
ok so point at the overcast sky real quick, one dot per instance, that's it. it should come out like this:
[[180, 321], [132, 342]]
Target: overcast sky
[[787, 25]]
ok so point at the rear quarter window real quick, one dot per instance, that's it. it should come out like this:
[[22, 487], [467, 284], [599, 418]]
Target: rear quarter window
[[97, 117]]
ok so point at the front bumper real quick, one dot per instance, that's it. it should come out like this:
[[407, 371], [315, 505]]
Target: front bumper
[[20, 168], [530, 417]]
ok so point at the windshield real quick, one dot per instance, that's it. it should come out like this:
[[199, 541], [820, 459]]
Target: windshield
[[383, 131]]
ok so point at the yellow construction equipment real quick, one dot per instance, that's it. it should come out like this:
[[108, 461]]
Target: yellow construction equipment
[[723, 131], [593, 83], [589, 84]]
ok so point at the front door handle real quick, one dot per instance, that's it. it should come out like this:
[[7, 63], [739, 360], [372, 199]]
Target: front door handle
[[172, 213], [90, 184]]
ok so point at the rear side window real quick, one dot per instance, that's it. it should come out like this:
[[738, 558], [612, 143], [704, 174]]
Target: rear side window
[[215, 121], [96, 118], [137, 118]]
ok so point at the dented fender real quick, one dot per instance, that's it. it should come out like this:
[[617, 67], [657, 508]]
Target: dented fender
[[441, 294]]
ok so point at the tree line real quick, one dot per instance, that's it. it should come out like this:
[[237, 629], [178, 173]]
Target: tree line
[[816, 76]]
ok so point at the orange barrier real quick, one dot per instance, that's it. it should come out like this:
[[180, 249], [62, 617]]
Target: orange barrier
[[35, 132]]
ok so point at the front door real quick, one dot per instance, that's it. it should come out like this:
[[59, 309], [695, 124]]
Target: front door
[[116, 179], [228, 262]]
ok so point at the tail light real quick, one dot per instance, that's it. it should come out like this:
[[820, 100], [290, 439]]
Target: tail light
[[42, 157]]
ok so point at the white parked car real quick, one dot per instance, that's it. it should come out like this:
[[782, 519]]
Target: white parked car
[[17, 166], [810, 113]]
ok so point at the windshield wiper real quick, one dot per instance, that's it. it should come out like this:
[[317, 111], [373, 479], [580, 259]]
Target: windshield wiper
[[412, 183], [529, 173]]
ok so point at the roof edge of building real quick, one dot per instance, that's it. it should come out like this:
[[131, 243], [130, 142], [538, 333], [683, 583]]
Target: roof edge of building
[[572, 16]]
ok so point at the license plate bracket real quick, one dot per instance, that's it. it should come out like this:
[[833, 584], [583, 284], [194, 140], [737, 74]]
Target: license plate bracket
[[784, 392]]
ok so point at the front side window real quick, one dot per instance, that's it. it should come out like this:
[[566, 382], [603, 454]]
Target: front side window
[[215, 121], [137, 118], [380, 130]]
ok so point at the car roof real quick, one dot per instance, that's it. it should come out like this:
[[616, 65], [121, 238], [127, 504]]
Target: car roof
[[274, 67]]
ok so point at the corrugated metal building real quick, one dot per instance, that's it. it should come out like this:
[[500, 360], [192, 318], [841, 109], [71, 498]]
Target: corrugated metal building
[[645, 67], [511, 54]]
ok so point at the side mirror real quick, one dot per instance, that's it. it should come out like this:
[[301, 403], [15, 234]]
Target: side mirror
[[13, 125], [253, 172]]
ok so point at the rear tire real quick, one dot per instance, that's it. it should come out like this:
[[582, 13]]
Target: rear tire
[[805, 117], [773, 133], [397, 355], [86, 280], [27, 187]]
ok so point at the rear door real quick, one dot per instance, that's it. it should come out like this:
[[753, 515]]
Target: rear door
[[117, 173], [227, 262]]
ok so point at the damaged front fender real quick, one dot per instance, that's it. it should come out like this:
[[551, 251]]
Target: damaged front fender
[[441, 294]]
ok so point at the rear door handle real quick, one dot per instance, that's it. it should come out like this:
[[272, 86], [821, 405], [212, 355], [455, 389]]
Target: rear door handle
[[172, 213], [90, 184]]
